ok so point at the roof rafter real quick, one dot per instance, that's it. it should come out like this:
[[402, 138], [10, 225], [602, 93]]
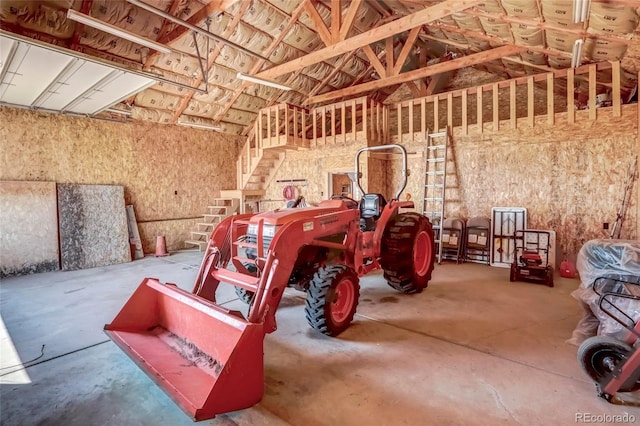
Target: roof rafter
[[195, 19], [441, 67], [405, 23]]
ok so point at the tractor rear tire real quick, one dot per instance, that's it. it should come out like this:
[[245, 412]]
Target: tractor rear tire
[[247, 296], [332, 299], [408, 254]]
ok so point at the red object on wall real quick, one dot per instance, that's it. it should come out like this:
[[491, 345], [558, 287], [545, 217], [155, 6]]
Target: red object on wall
[[567, 269]]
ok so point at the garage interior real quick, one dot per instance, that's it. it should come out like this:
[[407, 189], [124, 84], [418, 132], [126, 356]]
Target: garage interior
[[129, 130]]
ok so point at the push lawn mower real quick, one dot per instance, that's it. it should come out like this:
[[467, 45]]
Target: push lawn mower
[[531, 260]]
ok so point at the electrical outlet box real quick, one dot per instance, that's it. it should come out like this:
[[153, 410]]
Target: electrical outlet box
[[605, 225]]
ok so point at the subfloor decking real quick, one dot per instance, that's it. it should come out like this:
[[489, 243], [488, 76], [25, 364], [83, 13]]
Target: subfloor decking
[[473, 349]]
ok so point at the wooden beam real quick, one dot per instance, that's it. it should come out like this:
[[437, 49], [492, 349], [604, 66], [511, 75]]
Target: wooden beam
[[374, 61], [592, 92], [479, 107], [77, 33], [408, 44], [462, 62], [430, 14], [332, 74], [530, 101], [615, 93], [571, 111], [318, 23], [336, 21], [512, 104], [414, 89], [151, 58], [551, 112], [389, 53], [194, 19], [347, 22], [496, 108], [465, 126]]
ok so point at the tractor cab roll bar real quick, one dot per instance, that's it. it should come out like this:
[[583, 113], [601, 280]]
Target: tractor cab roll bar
[[405, 172]]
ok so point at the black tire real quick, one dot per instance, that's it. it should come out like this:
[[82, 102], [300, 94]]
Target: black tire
[[245, 295], [599, 353], [332, 299], [513, 274], [408, 252], [550, 277]]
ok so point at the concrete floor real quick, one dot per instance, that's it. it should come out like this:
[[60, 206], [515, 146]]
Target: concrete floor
[[472, 349]]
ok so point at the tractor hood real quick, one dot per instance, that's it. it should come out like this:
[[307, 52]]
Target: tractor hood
[[282, 216]]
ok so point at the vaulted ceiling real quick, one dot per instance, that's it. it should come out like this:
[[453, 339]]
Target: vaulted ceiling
[[324, 50]]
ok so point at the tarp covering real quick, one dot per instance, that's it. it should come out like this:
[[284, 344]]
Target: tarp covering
[[613, 259]]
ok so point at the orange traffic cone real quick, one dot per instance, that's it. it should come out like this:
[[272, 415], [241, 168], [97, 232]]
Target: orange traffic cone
[[161, 246]]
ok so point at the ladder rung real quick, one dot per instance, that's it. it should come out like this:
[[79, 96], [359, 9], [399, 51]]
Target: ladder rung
[[435, 160], [437, 134], [439, 173], [434, 185], [434, 147], [434, 199]]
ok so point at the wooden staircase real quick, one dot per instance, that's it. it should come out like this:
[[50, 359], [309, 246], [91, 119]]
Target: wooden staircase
[[220, 209]]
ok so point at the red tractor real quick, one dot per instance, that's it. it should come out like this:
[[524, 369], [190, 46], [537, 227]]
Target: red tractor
[[209, 358]]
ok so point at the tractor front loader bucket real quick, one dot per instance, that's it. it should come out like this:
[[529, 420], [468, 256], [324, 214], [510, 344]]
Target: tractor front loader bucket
[[209, 360]]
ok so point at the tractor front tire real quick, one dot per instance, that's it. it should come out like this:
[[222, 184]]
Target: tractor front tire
[[332, 299], [408, 254]]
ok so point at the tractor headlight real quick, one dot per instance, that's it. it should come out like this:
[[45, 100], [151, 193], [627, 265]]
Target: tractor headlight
[[268, 231]]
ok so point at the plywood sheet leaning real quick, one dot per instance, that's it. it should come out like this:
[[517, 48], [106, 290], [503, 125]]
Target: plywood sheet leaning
[[93, 226], [28, 228]]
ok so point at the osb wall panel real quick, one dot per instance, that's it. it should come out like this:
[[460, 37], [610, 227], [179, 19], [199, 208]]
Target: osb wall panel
[[315, 165], [28, 228], [569, 177], [93, 226], [151, 161], [173, 231]]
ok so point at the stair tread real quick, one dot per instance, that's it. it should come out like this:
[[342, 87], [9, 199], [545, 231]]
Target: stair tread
[[207, 234]]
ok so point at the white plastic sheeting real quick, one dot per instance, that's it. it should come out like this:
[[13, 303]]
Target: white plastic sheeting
[[616, 259]]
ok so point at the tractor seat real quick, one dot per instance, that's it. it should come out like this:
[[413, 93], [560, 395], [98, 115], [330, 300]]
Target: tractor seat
[[371, 206]]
